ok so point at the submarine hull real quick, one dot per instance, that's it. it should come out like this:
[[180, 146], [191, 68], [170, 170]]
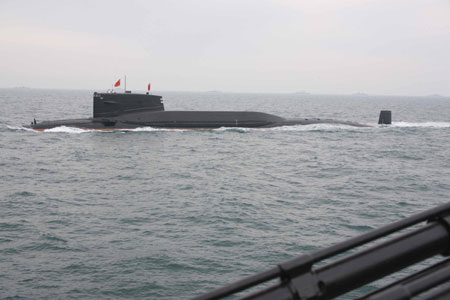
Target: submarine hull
[[129, 111], [188, 120]]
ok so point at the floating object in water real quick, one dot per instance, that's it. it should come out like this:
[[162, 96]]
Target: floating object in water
[[115, 111]]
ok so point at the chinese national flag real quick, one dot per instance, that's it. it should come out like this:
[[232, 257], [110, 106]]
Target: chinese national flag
[[117, 83], [148, 87]]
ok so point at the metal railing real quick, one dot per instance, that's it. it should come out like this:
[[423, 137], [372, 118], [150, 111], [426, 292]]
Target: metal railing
[[298, 279]]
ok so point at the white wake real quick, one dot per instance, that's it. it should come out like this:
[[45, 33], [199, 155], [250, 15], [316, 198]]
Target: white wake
[[310, 127], [422, 124]]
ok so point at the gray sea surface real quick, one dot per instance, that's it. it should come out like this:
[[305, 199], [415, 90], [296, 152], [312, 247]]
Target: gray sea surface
[[170, 214]]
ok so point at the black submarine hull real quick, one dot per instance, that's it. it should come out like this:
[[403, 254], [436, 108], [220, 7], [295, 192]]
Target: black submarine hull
[[130, 111], [189, 120]]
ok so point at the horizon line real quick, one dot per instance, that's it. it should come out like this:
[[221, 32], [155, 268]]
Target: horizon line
[[305, 93]]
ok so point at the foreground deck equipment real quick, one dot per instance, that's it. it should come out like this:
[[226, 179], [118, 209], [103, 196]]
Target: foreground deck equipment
[[114, 111], [298, 279]]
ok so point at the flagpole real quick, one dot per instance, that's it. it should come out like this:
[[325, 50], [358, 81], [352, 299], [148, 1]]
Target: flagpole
[[125, 87]]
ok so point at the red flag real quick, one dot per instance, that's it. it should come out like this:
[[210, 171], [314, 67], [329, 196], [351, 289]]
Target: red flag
[[117, 83], [148, 87]]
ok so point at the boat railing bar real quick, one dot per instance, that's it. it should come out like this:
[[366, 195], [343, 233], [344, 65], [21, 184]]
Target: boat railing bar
[[298, 279], [414, 284]]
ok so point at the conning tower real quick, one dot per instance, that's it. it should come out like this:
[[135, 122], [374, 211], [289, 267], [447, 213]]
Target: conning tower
[[112, 104]]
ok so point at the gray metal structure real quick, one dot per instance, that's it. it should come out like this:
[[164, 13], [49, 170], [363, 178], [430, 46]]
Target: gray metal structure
[[422, 236], [128, 111]]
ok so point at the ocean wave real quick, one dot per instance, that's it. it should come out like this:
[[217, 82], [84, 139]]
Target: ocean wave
[[422, 124], [232, 129], [317, 127], [19, 128], [75, 130], [151, 129], [310, 127], [65, 129]]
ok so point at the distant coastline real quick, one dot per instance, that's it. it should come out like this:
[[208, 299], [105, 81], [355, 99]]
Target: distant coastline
[[299, 93]]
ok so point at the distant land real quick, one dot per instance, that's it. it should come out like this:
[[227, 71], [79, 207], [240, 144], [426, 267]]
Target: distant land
[[21, 87], [302, 93], [360, 94]]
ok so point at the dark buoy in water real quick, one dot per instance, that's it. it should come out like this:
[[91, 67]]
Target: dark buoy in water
[[385, 117]]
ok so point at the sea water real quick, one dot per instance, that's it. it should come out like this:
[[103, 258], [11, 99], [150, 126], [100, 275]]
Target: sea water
[[170, 214]]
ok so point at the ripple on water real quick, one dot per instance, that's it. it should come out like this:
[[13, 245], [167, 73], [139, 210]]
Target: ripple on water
[[13, 227], [163, 214], [23, 194]]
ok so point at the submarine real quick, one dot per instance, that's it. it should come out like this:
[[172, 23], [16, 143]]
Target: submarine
[[119, 111]]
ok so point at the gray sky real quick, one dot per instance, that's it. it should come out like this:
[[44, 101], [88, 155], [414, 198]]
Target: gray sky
[[321, 46]]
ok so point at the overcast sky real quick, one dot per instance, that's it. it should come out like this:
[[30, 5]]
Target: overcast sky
[[322, 46]]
